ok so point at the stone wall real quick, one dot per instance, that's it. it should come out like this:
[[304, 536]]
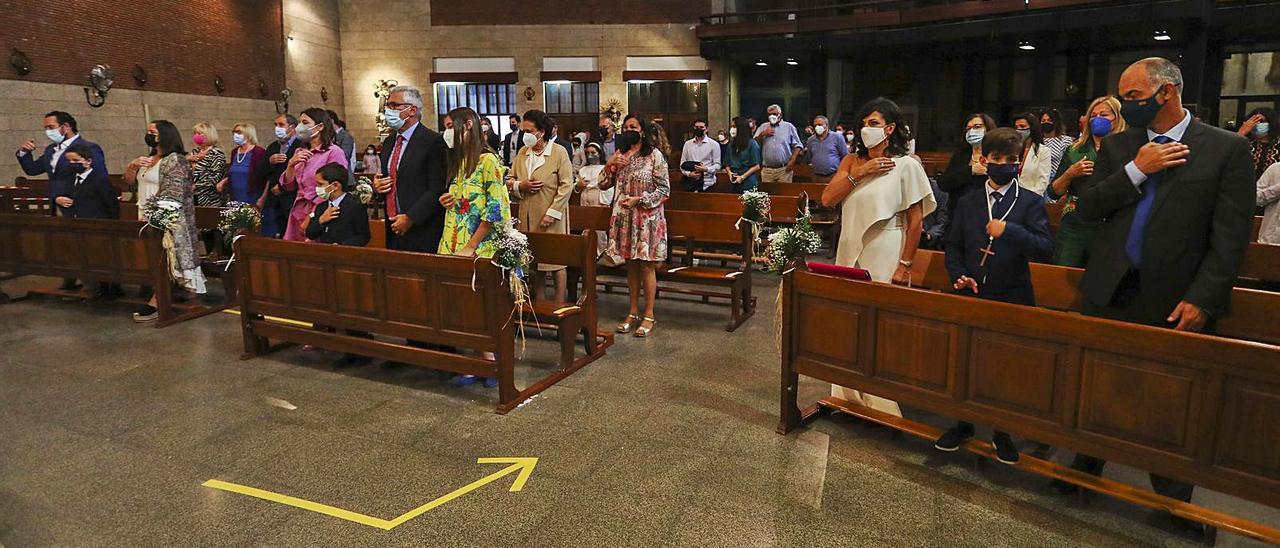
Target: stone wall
[[383, 40]]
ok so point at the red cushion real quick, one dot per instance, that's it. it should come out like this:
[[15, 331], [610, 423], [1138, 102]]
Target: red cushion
[[840, 271]]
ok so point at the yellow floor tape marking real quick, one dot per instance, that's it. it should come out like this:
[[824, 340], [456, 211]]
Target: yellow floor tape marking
[[522, 464], [273, 318]]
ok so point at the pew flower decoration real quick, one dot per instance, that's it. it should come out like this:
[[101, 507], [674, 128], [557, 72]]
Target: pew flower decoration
[[239, 217], [364, 190], [512, 249], [161, 213], [755, 206], [790, 244]]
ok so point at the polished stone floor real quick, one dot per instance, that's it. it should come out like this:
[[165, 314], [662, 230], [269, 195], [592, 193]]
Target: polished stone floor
[[108, 429]]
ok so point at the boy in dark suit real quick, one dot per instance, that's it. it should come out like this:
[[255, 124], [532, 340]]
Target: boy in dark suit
[[342, 219], [90, 194], [993, 237]]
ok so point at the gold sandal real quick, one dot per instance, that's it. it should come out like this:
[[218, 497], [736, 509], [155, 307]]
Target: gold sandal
[[627, 326], [643, 331]]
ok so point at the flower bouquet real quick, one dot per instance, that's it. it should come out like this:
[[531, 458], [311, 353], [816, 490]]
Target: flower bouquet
[[364, 190], [512, 253], [238, 217], [791, 244], [755, 206], [161, 213]]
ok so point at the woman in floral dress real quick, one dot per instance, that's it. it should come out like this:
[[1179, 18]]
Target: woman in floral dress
[[182, 242], [638, 227]]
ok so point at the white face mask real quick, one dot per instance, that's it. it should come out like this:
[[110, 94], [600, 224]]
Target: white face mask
[[448, 137], [819, 130], [872, 136], [733, 132], [775, 118], [530, 139], [281, 133], [238, 139], [322, 192]]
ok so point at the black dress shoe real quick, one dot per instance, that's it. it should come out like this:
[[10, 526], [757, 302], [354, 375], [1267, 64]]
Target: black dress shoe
[[1005, 450], [952, 439]]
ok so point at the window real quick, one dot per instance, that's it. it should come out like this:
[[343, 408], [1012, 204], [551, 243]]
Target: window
[[572, 97], [492, 101]]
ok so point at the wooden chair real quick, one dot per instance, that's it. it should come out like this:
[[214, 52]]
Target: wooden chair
[[577, 252]]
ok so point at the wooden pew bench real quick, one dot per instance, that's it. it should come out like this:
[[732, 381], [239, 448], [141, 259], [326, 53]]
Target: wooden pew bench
[[783, 211], [577, 252], [93, 250], [1199, 408], [394, 296]]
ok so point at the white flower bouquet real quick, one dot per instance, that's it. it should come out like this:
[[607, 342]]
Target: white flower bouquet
[[755, 206], [792, 243], [161, 213], [512, 249], [364, 190], [238, 217]]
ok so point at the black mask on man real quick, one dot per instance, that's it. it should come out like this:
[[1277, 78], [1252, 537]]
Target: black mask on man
[[699, 132]]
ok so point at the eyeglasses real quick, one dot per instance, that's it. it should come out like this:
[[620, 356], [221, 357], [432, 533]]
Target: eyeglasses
[[398, 106]]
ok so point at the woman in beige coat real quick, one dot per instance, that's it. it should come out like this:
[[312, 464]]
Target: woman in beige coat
[[542, 183]]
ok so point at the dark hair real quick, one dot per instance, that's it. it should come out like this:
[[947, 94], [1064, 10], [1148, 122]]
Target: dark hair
[[290, 119], [1033, 120], [168, 140], [64, 118], [468, 146], [321, 116], [1055, 118], [81, 149], [646, 132], [333, 172], [337, 120], [988, 124], [1266, 112], [516, 116], [1004, 141], [742, 140], [696, 120], [892, 115], [540, 121]]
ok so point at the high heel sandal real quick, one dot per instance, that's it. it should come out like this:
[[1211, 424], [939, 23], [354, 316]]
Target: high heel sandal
[[643, 331], [627, 326]]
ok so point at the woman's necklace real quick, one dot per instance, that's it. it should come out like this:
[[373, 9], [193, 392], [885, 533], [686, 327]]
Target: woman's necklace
[[240, 155]]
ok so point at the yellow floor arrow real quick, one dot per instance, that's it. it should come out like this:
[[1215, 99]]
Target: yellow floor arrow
[[522, 464]]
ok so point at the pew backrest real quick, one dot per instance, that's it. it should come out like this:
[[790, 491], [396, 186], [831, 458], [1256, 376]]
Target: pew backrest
[[96, 249], [782, 208]]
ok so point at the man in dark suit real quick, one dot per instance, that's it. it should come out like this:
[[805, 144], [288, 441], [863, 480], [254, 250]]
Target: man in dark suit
[[414, 166], [1175, 197], [278, 202], [513, 141], [340, 219], [62, 130]]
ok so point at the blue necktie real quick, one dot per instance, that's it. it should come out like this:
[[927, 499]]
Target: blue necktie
[[1133, 244]]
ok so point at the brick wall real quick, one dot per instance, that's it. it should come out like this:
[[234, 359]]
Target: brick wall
[[568, 12], [183, 45]]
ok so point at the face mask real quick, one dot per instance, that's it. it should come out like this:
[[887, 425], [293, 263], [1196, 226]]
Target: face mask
[[593, 158], [282, 133], [819, 129], [1046, 127], [1002, 174], [1099, 126], [1262, 129], [774, 118], [370, 152], [733, 132], [322, 192], [303, 131], [54, 135], [392, 116], [529, 139], [699, 132], [238, 139], [974, 136], [1024, 133], [627, 139], [1139, 115], [872, 136], [77, 167], [848, 137], [722, 137], [151, 140], [198, 139], [448, 137], [485, 128]]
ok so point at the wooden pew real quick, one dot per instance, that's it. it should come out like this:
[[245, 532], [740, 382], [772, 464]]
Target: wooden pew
[[93, 250], [814, 190], [1199, 408], [783, 208], [1257, 227], [1261, 263], [413, 296], [577, 252], [935, 163], [22, 199]]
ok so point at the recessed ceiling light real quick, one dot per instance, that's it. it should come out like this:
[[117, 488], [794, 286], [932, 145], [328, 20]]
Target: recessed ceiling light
[[761, 63], [1161, 36], [1026, 45], [792, 62]]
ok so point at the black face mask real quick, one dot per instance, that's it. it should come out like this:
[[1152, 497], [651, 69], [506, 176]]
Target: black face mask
[[699, 132], [77, 167], [151, 140], [513, 126], [1046, 127], [626, 140]]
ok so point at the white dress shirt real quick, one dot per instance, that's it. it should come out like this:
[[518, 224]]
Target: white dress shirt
[[705, 151], [58, 150]]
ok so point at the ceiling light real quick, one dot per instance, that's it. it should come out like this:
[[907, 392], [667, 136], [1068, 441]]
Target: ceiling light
[[694, 80], [792, 61], [761, 63], [640, 81], [1161, 36], [1025, 45], [556, 82]]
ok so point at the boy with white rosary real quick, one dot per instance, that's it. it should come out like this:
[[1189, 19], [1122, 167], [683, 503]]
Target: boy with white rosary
[[992, 238]]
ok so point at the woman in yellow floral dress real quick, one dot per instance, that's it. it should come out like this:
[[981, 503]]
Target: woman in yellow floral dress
[[477, 198]]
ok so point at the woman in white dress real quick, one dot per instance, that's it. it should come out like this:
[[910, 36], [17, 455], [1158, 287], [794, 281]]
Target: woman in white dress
[[884, 196], [589, 177], [143, 174], [1036, 156]]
